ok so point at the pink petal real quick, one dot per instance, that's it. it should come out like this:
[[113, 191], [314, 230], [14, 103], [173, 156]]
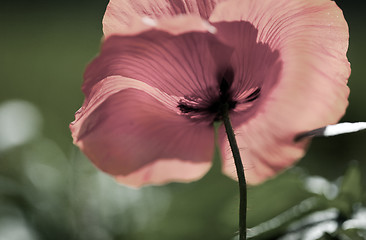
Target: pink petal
[[164, 171], [124, 16], [311, 37], [176, 64], [255, 64], [106, 88], [266, 148], [127, 129]]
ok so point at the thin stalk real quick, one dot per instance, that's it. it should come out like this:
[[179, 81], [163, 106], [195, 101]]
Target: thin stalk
[[241, 177]]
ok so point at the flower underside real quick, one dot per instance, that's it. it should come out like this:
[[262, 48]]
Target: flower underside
[[199, 73], [160, 82]]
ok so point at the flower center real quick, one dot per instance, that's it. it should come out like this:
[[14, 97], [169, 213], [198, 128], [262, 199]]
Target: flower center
[[212, 105]]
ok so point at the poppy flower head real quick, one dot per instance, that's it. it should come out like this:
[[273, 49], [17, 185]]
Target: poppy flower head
[[167, 69], [234, 86]]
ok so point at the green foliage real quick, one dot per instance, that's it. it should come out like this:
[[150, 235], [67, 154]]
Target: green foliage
[[350, 191], [339, 216]]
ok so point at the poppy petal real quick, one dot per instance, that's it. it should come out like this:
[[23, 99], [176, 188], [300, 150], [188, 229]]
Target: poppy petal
[[179, 65], [123, 16], [256, 66], [311, 38], [131, 132]]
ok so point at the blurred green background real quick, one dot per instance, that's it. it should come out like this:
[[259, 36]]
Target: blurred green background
[[49, 190]]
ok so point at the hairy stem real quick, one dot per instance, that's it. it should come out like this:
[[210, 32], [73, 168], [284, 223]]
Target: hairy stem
[[241, 176]]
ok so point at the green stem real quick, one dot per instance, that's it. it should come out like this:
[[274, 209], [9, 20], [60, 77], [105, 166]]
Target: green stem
[[241, 177]]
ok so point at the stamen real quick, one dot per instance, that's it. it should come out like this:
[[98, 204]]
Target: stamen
[[209, 106], [187, 109], [254, 95]]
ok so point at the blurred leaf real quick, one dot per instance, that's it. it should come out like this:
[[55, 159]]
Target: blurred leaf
[[9, 187], [351, 185], [328, 236], [323, 212], [350, 191], [285, 191], [353, 234], [290, 202]]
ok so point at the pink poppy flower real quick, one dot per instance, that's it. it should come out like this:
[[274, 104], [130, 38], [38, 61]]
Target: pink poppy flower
[[166, 67]]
